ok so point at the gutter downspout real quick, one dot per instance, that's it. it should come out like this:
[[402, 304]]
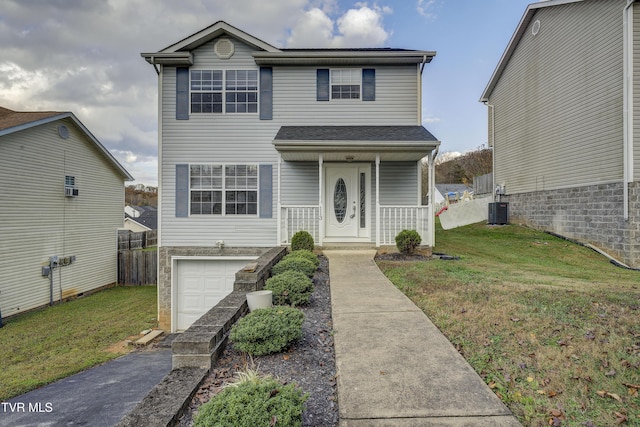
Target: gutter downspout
[[627, 88]]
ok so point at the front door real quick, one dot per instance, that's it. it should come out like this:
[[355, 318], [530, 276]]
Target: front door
[[346, 201]]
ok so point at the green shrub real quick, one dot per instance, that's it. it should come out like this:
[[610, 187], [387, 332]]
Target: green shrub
[[290, 287], [302, 240], [267, 330], [306, 254], [253, 401], [295, 263], [407, 241]]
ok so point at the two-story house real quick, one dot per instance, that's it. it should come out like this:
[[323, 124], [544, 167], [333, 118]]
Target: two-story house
[[61, 204], [564, 117], [257, 143]]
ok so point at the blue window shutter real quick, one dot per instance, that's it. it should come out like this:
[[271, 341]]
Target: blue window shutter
[[322, 84], [266, 191], [182, 191], [182, 93], [368, 84], [266, 93]]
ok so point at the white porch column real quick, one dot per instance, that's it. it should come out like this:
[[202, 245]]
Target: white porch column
[[377, 200], [431, 225], [279, 205], [320, 197]]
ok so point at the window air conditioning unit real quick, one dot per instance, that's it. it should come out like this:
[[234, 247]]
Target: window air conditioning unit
[[70, 192]]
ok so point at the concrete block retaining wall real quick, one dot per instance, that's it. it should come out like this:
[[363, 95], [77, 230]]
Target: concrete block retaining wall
[[591, 214], [196, 350]]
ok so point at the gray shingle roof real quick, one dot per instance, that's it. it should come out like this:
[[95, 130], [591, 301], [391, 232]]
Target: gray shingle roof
[[354, 133]]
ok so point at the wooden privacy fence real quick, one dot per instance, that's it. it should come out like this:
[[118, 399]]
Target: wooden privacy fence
[[137, 258], [483, 184]]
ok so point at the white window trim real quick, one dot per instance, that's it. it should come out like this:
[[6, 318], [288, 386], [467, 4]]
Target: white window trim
[[224, 90], [359, 74], [223, 190]]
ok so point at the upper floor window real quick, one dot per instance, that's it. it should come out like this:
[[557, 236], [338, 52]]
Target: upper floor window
[[346, 83], [230, 91]]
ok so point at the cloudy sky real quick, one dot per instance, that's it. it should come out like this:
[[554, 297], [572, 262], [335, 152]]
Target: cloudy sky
[[84, 56]]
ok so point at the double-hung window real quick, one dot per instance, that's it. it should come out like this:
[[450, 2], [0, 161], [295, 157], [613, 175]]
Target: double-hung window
[[223, 189], [346, 83], [224, 91]]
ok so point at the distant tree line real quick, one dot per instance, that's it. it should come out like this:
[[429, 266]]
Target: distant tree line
[[451, 168], [135, 196], [462, 169]]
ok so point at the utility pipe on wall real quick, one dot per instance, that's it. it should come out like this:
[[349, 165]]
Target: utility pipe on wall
[[627, 95]]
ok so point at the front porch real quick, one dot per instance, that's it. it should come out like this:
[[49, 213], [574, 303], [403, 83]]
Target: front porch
[[393, 219], [366, 186]]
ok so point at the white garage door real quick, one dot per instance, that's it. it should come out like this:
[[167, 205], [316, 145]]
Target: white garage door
[[201, 284]]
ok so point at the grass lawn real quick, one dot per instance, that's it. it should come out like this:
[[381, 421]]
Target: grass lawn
[[551, 326], [49, 344]]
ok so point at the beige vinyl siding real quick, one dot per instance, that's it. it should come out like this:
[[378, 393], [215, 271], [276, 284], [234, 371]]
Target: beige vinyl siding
[[244, 138], [37, 221], [558, 103], [636, 92]]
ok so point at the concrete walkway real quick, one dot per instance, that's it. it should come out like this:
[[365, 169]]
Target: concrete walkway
[[395, 368]]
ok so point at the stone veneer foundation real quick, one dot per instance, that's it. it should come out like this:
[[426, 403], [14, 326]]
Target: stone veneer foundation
[[591, 214]]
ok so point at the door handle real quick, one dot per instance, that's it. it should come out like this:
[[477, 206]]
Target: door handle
[[353, 215]]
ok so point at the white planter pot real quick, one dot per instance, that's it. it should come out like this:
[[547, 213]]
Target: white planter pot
[[259, 299]]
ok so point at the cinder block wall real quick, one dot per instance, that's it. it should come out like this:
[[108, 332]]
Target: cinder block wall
[[591, 214]]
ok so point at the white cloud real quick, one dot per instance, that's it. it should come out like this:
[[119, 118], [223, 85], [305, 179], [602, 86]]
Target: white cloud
[[430, 119], [423, 7], [361, 26]]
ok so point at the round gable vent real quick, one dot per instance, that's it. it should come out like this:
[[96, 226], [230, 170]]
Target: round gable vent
[[535, 29], [63, 132], [224, 49]]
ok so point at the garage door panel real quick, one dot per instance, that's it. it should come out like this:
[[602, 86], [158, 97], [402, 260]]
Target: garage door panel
[[200, 285]]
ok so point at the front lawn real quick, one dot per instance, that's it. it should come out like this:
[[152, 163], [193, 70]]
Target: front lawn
[[551, 326], [49, 344]]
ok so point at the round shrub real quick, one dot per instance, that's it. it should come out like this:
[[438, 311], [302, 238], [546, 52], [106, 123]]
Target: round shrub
[[254, 401], [303, 253], [290, 287], [267, 330], [407, 241], [295, 263], [302, 240]]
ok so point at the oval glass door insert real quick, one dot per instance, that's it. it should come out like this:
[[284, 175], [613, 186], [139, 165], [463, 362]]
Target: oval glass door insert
[[340, 200]]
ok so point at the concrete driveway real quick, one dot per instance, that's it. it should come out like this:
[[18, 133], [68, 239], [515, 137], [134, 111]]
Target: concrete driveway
[[97, 397]]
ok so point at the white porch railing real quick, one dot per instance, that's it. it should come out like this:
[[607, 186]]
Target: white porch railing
[[394, 219], [297, 218]]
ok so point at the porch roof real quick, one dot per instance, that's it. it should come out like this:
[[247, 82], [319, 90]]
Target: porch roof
[[354, 143]]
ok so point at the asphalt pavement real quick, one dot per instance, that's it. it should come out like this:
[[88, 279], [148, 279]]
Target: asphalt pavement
[[97, 397]]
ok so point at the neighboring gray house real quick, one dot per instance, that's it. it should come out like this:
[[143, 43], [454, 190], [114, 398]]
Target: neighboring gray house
[[62, 196], [140, 218], [257, 143], [564, 116]]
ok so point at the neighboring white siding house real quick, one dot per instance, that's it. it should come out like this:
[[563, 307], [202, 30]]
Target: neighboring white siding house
[[257, 143], [563, 114], [62, 196]]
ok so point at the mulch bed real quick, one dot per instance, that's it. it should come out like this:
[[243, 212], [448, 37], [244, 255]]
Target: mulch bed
[[309, 362]]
